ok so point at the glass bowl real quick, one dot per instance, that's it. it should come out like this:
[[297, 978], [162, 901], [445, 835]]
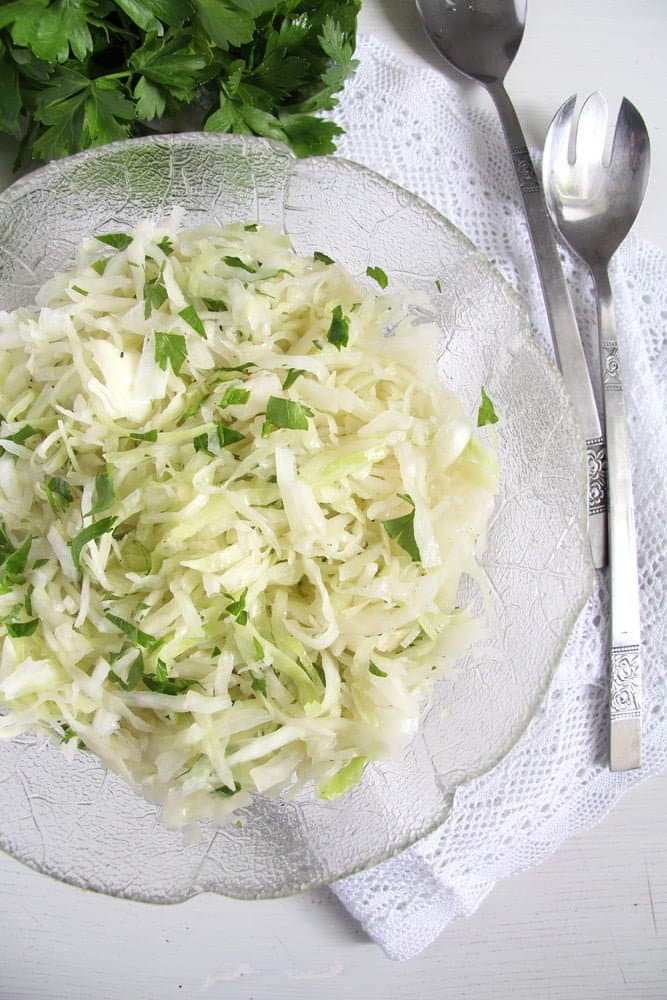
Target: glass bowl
[[79, 823]]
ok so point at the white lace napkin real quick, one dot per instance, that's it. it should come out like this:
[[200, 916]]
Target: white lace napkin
[[411, 125]]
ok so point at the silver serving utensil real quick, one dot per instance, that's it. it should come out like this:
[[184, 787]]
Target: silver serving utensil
[[594, 203], [480, 39]]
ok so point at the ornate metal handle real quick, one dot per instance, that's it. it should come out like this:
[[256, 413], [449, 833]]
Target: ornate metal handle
[[625, 665]]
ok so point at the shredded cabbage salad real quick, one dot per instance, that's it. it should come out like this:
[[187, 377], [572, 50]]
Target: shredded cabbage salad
[[236, 505]]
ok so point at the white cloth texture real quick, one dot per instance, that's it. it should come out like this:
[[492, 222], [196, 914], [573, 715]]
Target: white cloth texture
[[412, 125]]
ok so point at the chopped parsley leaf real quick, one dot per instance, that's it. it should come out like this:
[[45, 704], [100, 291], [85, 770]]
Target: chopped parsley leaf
[[402, 529], [119, 241], [339, 330], [287, 413], [170, 348], [377, 274], [191, 317], [486, 413]]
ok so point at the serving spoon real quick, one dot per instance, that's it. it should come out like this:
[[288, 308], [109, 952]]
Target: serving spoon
[[594, 204], [480, 39]]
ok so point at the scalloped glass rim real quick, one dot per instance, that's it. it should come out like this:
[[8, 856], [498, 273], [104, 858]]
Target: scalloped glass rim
[[84, 826]]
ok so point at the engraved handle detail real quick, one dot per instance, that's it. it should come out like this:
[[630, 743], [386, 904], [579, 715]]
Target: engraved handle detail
[[597, 476], [625, 683]]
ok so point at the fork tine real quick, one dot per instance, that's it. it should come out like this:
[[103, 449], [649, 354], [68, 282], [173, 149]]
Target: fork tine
[[631, 142], [591, 128], [557, 142]]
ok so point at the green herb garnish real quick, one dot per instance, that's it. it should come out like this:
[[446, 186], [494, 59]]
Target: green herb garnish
[[322, 257], [119, 241], [134, 676], [402, 529], [237, 262], [234, 396], [166, 246], [339, 330], [104, 491], [155, 294], [191, 317], [201, 444], [170, 348], [163, 684], [287, 413], [292, 375], [144, 435], [17, 630], [377, 274], [486, 413], [89, 534], [258, 684], [227, 792], [227, 435], [238, 608], [58, 493], [100, 266]]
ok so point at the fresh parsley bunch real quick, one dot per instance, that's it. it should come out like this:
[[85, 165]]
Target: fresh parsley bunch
[[79, 73]]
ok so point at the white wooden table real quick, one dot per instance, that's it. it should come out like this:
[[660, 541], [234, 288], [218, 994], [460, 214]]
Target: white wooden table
[[590, 923]]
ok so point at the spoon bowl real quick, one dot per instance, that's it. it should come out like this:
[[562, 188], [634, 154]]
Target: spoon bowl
[[479, 39]]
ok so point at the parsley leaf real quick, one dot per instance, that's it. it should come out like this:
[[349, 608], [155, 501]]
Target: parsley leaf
[[144, 435], [155, 294], [74, 73], [486, 413], [17, 630], [402, 529], [215, 305], [104, 491], [378, 275], [339, 330], [58, 493], [134, 634], [78, 112], [292, 375], [234, 396], [134, 676], [20, 437], [89, 534], [238, 608], [170, 349], [227, 435], [227, 792], [163, 684], [237, 262], [119, 241], [13, 566], [166, 246], [287, 413], [191, 317], [201, 444], [258, 684]]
